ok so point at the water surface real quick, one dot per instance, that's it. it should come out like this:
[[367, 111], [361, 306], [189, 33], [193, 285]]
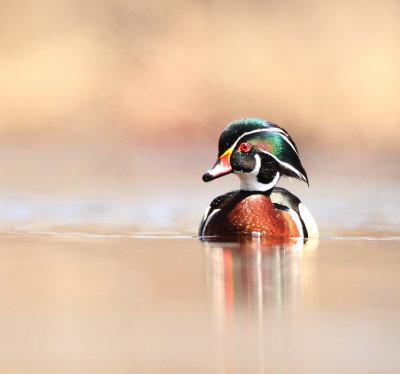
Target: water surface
[[170, 303]]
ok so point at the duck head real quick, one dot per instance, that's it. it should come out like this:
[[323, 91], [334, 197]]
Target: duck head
[[259, 152]]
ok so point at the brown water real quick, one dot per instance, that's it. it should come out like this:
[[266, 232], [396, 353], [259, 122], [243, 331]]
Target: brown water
[[100, 271]]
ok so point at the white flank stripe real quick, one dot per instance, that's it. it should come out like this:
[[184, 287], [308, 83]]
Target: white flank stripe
[[206, 212], [308, 219], [296, 219], [208, 220], [272, 129]]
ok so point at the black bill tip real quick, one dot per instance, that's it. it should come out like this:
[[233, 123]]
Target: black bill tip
[[207, 177]]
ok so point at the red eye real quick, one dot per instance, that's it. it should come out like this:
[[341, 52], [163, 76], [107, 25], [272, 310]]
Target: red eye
[[244, 147]]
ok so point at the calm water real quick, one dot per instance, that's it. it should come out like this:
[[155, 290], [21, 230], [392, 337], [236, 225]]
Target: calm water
[[100, 270], [173, 304]]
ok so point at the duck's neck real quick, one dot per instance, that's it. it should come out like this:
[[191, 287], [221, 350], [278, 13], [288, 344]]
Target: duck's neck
[[250, 182]]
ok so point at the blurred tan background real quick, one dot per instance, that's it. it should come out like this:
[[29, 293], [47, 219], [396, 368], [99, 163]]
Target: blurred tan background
[[91, 91], [154, 70]]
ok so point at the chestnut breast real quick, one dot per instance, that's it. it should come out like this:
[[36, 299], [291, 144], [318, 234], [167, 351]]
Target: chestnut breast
[[252, 213]]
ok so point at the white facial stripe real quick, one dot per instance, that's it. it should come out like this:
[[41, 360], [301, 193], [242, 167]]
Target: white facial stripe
[[280, 132], [248, 133], [290, 143], [285, 164], [258, 165], [249, 182]]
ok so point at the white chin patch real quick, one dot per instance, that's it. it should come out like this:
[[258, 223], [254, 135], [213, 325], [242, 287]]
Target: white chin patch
[[249, 182]]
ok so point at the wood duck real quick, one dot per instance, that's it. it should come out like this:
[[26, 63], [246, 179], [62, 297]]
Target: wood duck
[[259, 153]]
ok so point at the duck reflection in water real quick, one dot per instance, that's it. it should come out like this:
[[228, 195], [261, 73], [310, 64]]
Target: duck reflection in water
[[253, 273], [255, 284]]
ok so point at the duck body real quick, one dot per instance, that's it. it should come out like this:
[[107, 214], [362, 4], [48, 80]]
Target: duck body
[[276, 213], [259, 153]]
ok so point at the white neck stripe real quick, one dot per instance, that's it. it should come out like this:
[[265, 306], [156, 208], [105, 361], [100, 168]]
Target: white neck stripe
[[250, 182]]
